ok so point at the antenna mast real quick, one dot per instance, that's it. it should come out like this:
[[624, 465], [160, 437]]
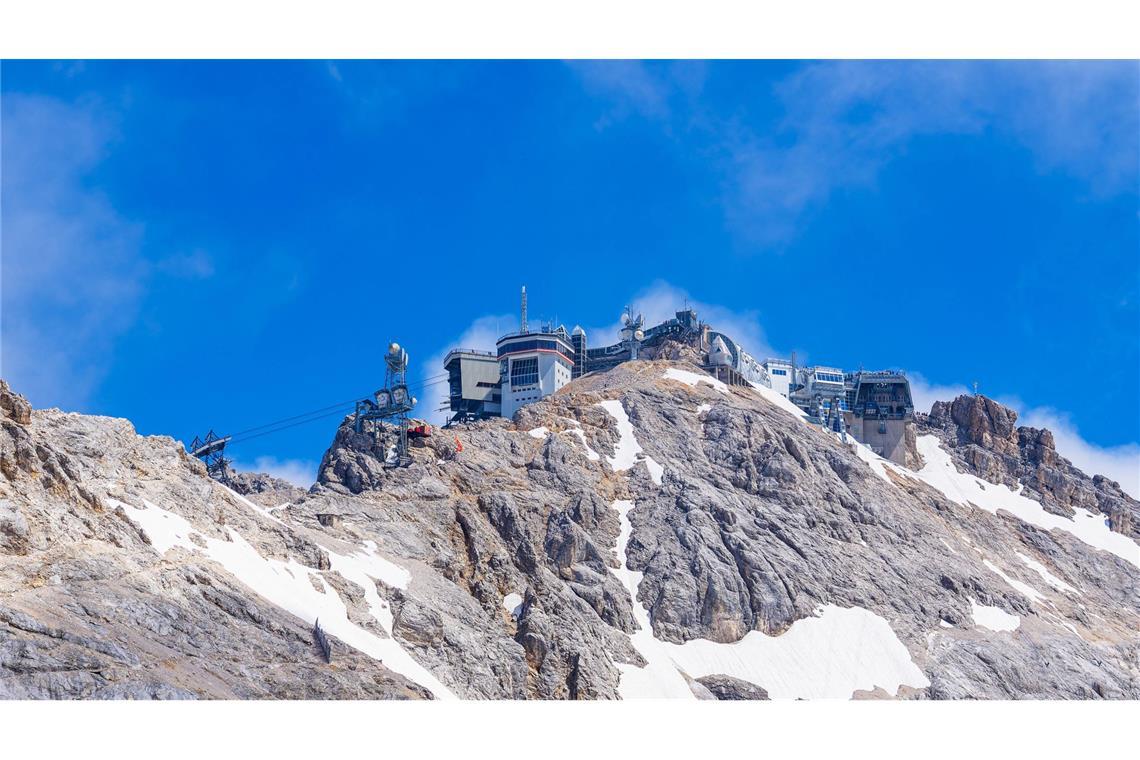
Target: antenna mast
[[523, 309]]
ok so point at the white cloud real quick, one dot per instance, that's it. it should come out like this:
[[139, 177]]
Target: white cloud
[[837, 124], [651, 90], [300, 472], [843, 121], [630, 85], [74, 273], [1119, 463], [924, 393], [71, 276]]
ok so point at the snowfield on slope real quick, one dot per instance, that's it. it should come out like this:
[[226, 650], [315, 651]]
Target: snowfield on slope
[[962, 488], [692, 378], [832, 655], [940, 473], [994, 618], [289, 585]]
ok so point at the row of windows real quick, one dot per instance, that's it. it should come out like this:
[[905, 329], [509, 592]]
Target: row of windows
[[524, 371], [534, 345], [829, 377], [779, 372]]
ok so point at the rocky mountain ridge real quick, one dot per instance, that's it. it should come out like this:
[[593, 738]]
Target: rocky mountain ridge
[[643, 532]]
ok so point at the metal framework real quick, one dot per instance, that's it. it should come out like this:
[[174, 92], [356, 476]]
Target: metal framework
[[392, 402], [211, 450]]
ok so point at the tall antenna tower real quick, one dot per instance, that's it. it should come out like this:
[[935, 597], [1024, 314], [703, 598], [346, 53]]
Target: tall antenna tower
[[523, 309]]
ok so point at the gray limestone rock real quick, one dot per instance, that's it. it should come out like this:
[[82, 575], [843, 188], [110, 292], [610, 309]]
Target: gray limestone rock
[[508, 537]]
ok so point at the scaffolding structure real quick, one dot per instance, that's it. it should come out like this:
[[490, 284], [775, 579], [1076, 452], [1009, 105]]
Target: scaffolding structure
[[211, 450], [392, 402]]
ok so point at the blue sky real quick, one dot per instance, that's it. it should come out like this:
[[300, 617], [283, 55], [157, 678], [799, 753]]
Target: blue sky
[[222, 244]]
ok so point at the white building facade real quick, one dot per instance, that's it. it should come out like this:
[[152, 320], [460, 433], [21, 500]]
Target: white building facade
[[780, 375], [532, 366]]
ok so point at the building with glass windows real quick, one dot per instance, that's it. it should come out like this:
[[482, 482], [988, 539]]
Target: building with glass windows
[[532, 365], [527, 366]]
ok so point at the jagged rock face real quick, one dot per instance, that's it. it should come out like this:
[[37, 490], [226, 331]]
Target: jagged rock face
[[89, 610], [743, 520], [984, 438], [729, 688], [263, 488]]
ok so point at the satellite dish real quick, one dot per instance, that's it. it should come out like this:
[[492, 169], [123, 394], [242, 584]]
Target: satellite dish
[[639, 334]]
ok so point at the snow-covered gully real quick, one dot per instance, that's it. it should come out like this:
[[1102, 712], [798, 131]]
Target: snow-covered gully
[[939, 472], [290, 585], [832, 655]]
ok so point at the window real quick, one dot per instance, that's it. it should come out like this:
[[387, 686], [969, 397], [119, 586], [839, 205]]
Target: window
[[828, 377], [524, 372], [779, 372]]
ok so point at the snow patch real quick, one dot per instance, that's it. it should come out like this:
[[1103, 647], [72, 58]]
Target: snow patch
[[1043, 571], [994, 618], [945, 624], [289, 585], [628, 451], [877, 464], [590, 453], [1023, 588], [963, 488], [659, 678], [701, 409], [829, 656], [692, 378], [512, 603], [655, 470], [627, 448], [539, 432], [777, 399]]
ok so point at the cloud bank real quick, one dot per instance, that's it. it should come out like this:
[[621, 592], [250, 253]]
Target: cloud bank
[[74, 271], [72, 278], [838, 124]]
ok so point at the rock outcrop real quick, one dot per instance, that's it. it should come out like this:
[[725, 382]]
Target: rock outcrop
[[642, 529], [983, 436]]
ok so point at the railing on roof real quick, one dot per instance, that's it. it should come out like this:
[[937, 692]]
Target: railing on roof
[[472, 351]]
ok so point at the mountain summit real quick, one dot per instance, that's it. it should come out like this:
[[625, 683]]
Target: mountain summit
[[647, 531]]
